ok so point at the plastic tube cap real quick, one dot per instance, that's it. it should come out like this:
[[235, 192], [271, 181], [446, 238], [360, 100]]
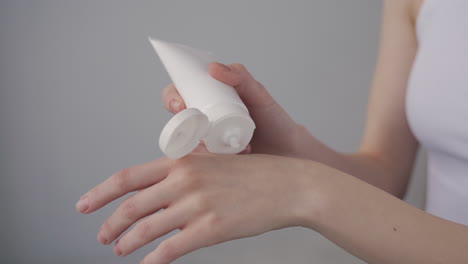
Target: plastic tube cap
[[183, 133]]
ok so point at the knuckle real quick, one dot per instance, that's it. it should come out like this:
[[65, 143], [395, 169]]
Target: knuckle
[[122, 178], [167, 250], [214, 227], [180, 169], [183, 170], [183, 163], [129, 209], [177, 177], [188, 181], [185, 175], [199, 202], [195, 181], [143, 230], [166, 96], [183, 182], [215, 219], [239, 67]]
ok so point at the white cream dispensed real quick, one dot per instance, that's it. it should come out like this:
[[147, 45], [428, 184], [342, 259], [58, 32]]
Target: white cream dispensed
[[215, 113]]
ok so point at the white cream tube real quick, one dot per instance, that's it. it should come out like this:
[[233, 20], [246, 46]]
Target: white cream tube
[[215, 112]]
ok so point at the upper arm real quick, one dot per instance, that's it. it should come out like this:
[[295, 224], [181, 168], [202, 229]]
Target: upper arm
[[387, 136]]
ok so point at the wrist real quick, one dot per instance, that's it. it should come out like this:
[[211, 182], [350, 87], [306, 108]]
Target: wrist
[[312, 195]]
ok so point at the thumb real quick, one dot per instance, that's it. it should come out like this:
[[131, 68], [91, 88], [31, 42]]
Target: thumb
[[252, 93]]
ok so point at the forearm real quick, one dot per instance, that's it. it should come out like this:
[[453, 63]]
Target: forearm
[[368, 167], [365, 166], [378, 227]]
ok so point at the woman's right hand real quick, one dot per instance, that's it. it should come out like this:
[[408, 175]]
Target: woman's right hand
[[276, 133]]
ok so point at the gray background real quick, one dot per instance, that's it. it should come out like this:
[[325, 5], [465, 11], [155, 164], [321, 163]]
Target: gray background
[[80, 99]]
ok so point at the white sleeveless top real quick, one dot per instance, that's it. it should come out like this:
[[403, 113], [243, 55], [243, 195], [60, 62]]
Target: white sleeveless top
[[437, 104]]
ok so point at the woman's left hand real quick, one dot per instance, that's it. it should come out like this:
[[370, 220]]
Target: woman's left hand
[[210, 198]]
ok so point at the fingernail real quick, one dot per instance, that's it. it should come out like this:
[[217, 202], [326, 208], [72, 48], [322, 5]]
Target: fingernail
[[83, 204], [102, 239], [117, 249], [175, 105], [225, 67]]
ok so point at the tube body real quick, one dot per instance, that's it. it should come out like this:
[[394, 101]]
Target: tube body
[[231, 127]]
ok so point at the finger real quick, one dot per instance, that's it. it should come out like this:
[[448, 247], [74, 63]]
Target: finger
[[134, 208], [151, 228], [201, 148], [236, 75], [172, 100], [178, 245], [123, 182], [247, 150], [227, 74]]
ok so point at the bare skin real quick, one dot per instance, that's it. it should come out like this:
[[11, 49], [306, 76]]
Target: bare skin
[[351, 199]]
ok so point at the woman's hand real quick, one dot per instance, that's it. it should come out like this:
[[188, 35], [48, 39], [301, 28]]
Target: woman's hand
[[276, 133], [210, 198]]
